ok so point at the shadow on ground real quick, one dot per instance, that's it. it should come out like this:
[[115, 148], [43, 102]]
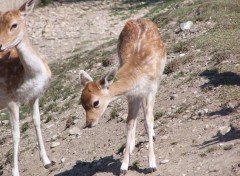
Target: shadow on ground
[[233, 134], [104, 165], [216, 79], [224, 111]]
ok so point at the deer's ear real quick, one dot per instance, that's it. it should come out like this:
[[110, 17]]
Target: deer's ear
[[27, 8], [108, 79], [84, 77]]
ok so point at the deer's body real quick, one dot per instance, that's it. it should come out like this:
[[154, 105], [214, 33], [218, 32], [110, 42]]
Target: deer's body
[[18, 84], [24, 76], [142, 58]]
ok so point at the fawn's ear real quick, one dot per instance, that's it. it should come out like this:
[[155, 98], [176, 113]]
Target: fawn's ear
[[84, 77], [108, 79], [27, 8]]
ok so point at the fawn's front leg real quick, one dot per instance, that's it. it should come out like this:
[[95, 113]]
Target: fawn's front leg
[[133, 109]]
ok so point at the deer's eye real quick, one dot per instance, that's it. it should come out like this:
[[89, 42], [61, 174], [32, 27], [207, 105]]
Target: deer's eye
[[95, 104], [14, 26]]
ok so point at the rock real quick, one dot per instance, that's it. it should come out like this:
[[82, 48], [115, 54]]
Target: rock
[[182, 55], [165, 137], [76, 121], [230, 105], [164, 161], [124, 117], [74, 131], [63, 160], [174, 96], [5, 122], [173, 107], [3, 114], [54, 137], [97, 65], [200, 113], [55, 144], [195, 117], [206, 127], [186, 26], [205, 110], [224, 130]]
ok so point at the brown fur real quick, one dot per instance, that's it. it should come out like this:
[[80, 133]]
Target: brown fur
[[11, 70]]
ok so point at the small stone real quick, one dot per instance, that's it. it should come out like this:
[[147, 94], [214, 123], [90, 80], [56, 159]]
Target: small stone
[[174, 96], [182, 54], [186, 26], [76, 121], [224, 130], [165, 137], [230, 105], [63, 160], [123, 117], [5, 122], [206, 127], [98, 64], [201, 113], [54, 137], [173, 107], [164, 161], [74, 131], [205, 110], [55, 144], [3, 114], [195, 117]]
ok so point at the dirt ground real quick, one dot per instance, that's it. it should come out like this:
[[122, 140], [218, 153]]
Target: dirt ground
[[197, 134]]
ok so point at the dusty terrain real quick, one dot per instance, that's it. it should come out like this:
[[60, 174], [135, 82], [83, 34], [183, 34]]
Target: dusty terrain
[[197, 106]]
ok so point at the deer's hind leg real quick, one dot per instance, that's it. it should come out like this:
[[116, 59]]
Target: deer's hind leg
[[148, 105]]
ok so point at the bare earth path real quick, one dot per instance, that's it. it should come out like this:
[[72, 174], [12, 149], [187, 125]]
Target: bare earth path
[[60, 28]]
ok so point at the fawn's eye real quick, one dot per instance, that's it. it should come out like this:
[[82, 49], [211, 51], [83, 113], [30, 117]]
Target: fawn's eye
[[95, 104], [14, 26]]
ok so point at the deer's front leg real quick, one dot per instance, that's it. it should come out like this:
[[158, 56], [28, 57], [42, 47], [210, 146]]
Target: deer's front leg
[[13, 109], [133, 109], [37, 124]]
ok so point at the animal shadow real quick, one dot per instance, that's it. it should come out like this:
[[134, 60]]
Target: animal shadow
[[233, 134], [216, 79], [103, 165]]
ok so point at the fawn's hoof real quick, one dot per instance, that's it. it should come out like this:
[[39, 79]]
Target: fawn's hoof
[[123, 172], [152, 169], [50, 165]]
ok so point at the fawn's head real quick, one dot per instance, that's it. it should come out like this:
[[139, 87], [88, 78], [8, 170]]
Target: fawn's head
[[12, 25], [95, 96]]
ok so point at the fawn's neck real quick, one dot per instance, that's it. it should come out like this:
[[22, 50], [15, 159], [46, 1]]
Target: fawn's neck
[[126, 80]]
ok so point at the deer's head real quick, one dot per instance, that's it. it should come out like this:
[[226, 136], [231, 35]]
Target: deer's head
[[12, 25], [95, 96]]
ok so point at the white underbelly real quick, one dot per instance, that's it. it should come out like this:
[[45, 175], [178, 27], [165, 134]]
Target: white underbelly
[[143, 88]]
